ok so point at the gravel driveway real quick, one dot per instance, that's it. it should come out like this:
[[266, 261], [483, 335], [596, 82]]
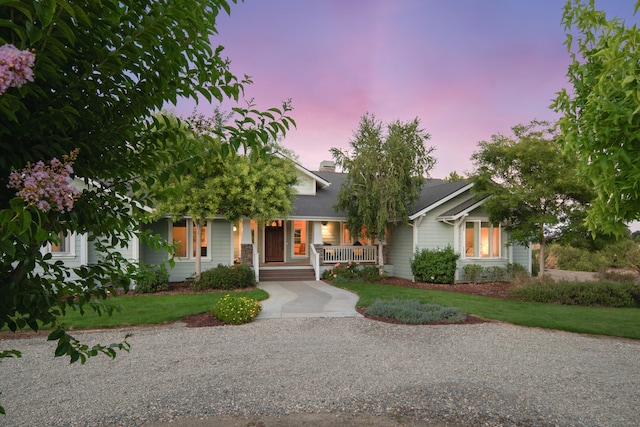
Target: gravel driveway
[[336, 371]]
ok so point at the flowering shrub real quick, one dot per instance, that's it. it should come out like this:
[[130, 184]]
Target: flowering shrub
[[15, 67], [351, 271], [236, 310], [47, 187]]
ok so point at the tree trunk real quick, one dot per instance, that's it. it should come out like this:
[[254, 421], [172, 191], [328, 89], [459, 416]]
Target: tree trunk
[[198, 248], [543, 244], [380, 257]]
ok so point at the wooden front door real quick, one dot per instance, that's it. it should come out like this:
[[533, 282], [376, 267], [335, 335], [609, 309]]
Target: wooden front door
[[274, 242]]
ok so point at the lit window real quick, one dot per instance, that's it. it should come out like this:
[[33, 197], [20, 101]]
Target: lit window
[[184, 237], [482, 239], [349, 241], [64, 245], [299, 238]]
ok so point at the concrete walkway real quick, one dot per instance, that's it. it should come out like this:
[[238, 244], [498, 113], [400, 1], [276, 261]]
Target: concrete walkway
[[306, 299]]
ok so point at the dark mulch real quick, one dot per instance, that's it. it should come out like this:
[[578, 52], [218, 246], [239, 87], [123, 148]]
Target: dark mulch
[[494, 290]]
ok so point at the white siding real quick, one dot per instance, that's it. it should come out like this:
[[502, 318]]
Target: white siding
[[305, 185]]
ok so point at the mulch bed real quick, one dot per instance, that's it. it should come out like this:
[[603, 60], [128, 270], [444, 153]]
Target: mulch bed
[[494, 290]]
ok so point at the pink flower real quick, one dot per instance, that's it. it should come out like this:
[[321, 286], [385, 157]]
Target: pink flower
[[338, 265], [15, 67], [335, 275], [47, 187]]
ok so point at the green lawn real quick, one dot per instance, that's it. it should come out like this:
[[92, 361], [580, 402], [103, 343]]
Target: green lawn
[[619, 322], [152, 309]]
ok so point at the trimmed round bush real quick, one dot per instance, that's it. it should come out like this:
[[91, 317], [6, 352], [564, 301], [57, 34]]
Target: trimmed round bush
[[435, 265], [236, 310], [226, 278]]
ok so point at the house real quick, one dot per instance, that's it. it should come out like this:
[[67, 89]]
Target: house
[[314, 236]]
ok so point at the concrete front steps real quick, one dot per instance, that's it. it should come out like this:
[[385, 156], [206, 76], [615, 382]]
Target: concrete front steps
[[286, 274]]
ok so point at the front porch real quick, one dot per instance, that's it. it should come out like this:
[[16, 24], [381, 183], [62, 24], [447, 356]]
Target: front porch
[[290, 244]]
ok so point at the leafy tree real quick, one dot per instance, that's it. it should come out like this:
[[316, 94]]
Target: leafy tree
[[101, 69], [385, 174], [532, 185], [601, 112], [453, 177], [251, 185]]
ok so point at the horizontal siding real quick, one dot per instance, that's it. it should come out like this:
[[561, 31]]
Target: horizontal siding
[[434, 234], [305, 184], [522, 256], [220, 236], [149, 255], [401, 251]]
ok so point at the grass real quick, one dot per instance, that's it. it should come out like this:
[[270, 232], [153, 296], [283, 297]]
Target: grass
[[617, 322], [152, 309]]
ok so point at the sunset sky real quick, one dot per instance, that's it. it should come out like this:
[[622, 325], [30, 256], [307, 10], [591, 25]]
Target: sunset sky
[[467, 69]]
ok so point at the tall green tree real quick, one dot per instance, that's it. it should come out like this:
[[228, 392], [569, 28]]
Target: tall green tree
[[386, 168], [601, 111], [453, 177], [531, 185], [101, 69], [256, 184]]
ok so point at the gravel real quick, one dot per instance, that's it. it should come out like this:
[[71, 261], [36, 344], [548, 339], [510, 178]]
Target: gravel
[[336, 371]]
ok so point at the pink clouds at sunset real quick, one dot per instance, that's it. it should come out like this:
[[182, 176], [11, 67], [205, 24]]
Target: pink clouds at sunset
[[467, 68]]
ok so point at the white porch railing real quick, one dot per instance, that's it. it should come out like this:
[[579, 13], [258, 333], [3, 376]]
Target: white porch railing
[[315, 261], [360, 254]]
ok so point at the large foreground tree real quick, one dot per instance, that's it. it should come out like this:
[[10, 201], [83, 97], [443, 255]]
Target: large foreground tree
[[601, 112], [386, 168], [84, 78], [532, 187]]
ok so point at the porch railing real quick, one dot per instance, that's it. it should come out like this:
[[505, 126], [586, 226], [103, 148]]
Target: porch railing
[[315, 261], [360, 254]]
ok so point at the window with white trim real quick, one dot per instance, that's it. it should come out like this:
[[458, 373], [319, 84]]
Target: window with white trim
[[348, 239], [183, 233], [299, 237], [65, 246], [482, 239]]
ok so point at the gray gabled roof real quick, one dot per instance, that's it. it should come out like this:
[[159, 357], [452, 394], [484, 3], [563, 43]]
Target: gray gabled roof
[[461, 209], [320, 205]]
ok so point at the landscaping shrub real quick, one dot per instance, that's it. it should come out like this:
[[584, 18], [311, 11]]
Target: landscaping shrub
[[435, 265], [472, 273], [580, 259], [236, 310], [351, 272], [477, 273], [225, 278], [601, 293], [496, 274], [154, 279], [618, 276], [415, 312]]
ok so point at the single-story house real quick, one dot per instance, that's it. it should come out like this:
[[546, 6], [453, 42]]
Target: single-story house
[[314, 236]]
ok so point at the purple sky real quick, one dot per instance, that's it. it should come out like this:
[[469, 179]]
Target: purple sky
[[467, 69]]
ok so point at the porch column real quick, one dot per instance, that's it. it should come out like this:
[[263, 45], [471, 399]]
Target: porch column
[[317, 232], [246, 246]]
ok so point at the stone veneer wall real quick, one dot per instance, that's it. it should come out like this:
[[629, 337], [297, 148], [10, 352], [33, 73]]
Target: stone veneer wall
[[246, 254]]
